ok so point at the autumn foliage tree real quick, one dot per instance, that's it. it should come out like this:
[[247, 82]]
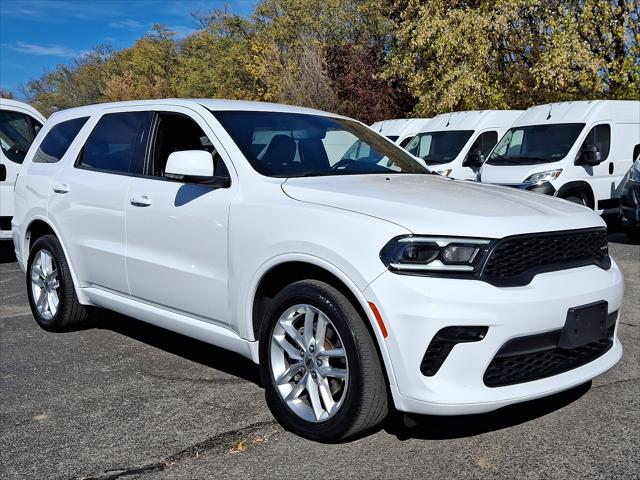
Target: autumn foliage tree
[[372, 59]]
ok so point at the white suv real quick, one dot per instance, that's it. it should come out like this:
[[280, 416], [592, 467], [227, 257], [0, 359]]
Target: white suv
[[352, 282]]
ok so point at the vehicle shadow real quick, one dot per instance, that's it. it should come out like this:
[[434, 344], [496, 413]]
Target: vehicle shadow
[[176, 344], [427, 427], [7, 253]]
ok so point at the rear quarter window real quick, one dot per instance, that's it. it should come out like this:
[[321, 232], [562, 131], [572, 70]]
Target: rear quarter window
[[57, 141]]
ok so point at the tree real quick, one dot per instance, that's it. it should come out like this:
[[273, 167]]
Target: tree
[[6, 93], [461, 54]]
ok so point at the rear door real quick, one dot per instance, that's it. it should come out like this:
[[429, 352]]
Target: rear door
[[89, 197], [177, 232], [17, 131]]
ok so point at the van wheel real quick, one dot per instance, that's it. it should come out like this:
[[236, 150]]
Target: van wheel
[[322, 374], [577, 197], [50, 289]]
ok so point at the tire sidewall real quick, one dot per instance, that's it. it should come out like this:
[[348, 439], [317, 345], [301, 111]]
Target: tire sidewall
[[343, 419], [48, 244]]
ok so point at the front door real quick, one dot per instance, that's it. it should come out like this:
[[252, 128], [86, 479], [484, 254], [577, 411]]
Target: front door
[[177, 232]]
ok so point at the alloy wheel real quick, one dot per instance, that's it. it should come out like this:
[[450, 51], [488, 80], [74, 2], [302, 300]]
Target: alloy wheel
[[45, 284], [309, 363]]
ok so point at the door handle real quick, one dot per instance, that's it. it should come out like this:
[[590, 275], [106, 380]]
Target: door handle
[[61, 188], [140, 201]]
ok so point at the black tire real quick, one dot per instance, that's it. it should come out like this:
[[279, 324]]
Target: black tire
[[70, 314], [577, 197], [365, 404]]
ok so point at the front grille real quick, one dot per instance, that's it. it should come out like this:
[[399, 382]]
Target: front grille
[[517, 259], [526, 367], [5, 223]]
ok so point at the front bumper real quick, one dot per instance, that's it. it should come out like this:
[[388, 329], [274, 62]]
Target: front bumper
[[415, 308]]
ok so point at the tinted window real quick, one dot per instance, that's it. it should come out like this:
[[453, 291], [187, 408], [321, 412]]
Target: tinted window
[[176, 133], [117, 143], [485, 142], [439, 147], [17, 132], [56, 143], [293, 144], [600, 136], [406, 141], [535, 144]]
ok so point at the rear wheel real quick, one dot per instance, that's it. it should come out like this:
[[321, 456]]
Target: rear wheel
[[321, 370], [50, 289]]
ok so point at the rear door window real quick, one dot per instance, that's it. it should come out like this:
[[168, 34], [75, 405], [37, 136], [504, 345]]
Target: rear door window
[[117, 143], [57, 142], [17, 131]]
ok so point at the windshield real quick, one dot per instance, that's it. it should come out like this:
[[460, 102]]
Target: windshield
[[439, 147], [281, 144], [17, 131], [535, 144]]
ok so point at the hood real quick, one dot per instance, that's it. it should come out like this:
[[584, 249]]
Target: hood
[[429, 204]]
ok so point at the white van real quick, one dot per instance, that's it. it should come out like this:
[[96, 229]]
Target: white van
[[390, 128], [410, 129], [19, 124], [574, 150], [455, 144]]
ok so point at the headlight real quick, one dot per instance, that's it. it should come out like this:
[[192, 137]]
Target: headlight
[[444, 173], [421, 254], [634, 173], [543, 176]]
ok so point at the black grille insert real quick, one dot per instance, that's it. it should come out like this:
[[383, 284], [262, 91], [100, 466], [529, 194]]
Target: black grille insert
[[516, 260], [535, 357]]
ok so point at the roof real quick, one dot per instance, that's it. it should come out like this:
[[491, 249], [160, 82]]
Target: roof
[[588, 111], [392, 126], [473, 120], [21, 106], [211, 104]]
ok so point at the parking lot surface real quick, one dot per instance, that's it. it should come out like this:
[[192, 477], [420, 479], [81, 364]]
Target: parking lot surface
[[129, 400]]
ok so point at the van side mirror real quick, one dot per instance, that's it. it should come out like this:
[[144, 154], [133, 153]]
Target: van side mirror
[[3, 172], [194, 166], [474, 158], [589, 155]]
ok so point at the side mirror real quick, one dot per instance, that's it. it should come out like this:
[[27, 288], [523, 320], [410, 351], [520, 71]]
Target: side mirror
[[193, 166], [3, 172], [589, 155], [474, 158]]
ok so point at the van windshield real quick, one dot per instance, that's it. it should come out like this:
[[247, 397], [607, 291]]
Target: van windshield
[[535, 144], [279, 144], [439, 147]]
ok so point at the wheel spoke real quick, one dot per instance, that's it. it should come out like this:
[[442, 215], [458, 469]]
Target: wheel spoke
[[321, 330], [297, 389], [333, 372], [289, 373], [333, 353], [293, 333], [314, 397], [52, 301], [55, 283], [36, 271], [41, 301], [47, 264], [37, 279], [289, 349], [308, 325], [325, 392]]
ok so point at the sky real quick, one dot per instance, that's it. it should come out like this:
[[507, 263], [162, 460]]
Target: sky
[[36, 35]]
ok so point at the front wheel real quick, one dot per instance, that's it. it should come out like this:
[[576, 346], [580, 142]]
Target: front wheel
[[319, 364]]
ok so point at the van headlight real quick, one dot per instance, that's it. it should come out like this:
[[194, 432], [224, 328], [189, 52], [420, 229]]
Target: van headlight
[[423, 255], [634, 173], [540, 177], [445, 173]]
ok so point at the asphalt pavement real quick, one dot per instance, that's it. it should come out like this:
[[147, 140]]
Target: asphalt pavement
[[129, 400]]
